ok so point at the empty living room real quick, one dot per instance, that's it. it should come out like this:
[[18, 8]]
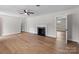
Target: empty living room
[[39, 29]]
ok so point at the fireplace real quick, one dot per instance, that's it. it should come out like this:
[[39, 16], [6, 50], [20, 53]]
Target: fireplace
[[41, 31]]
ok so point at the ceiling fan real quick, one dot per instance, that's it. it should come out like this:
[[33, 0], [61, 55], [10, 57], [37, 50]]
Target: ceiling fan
[[27, 12]]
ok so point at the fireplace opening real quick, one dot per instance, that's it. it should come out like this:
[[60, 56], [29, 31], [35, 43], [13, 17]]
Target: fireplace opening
[[41, 31]]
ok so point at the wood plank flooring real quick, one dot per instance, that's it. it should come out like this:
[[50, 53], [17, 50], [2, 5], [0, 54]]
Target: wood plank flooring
[[26, 43]]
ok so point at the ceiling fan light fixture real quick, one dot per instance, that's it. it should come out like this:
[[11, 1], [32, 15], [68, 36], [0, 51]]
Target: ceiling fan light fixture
[[25, 13]]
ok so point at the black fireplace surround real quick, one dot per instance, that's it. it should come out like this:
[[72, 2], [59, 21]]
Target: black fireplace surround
[[41, 31]]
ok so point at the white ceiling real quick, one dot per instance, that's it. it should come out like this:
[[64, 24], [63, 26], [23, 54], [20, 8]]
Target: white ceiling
[[43, 9]]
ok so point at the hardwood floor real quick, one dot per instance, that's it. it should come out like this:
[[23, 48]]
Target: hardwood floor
[[33, 44]]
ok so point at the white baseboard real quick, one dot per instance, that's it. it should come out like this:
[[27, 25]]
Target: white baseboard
[[76, 41], [9, 33], [53, 36]]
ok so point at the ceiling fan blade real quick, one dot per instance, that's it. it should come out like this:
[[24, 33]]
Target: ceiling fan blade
[[25, 11], [32, 12], [28, 14]]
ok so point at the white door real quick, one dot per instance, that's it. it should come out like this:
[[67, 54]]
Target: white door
[[61, 30]]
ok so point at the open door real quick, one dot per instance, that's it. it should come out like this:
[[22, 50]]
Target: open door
[[61, 31]]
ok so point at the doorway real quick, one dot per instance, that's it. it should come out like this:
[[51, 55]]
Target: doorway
[[61, 31]]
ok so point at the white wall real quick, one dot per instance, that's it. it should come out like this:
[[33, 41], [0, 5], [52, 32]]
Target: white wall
[[24, 24], [10, 24], [47, 20], [50, 21]]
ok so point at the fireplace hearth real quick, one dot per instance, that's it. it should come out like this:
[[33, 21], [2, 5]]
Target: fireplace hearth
[[41, 31]]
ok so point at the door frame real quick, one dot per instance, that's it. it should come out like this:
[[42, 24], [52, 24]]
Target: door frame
[[66, 30]]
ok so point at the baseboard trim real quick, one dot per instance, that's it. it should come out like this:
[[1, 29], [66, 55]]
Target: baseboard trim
[[74, 41], [42, 36], [51, 37]]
